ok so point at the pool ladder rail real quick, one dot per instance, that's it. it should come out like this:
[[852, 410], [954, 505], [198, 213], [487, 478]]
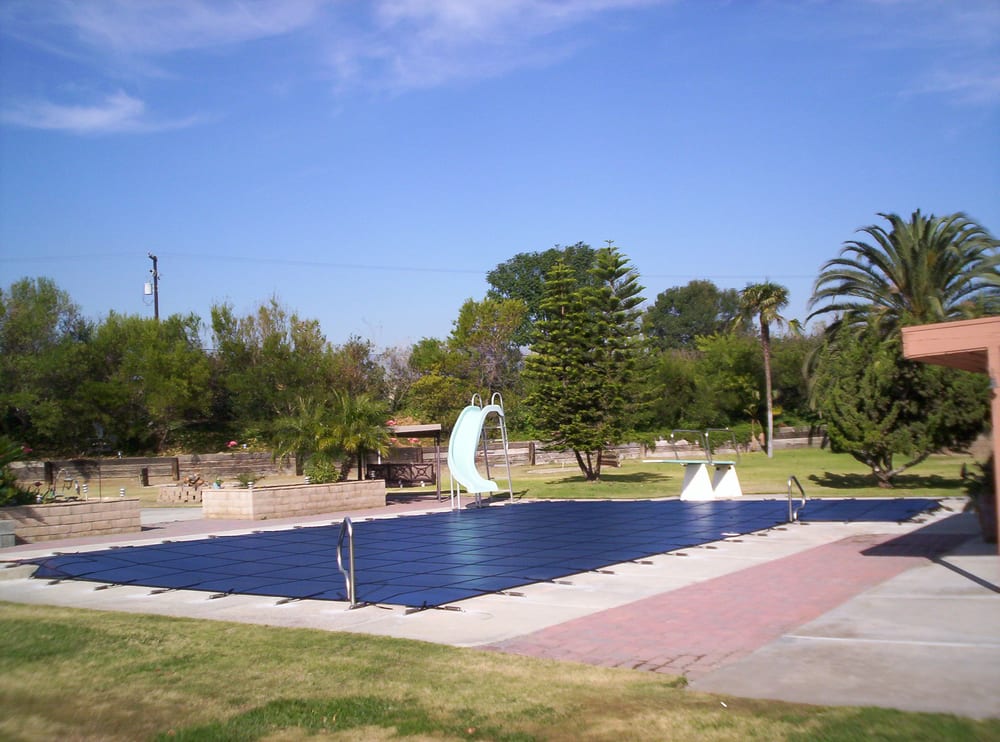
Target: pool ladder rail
[[793, 512], [347, 529]]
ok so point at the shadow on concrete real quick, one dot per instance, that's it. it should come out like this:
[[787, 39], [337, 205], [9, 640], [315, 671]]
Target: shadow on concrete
[[934, 542]]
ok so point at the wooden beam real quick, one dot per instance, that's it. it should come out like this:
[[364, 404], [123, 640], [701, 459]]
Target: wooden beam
[[960, 344], [972, 345]]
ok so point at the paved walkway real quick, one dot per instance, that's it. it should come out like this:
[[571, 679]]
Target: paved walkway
[[899, 615], [696, 629]]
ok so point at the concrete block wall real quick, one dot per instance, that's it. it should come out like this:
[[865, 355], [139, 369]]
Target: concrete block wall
[[59, 520], [57, 471], [230, 465], [285, 501]]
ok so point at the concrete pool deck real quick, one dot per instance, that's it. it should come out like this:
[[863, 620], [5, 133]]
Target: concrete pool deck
[[871, 614]]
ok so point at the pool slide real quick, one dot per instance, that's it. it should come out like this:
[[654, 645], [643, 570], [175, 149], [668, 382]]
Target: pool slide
[[462, 448]]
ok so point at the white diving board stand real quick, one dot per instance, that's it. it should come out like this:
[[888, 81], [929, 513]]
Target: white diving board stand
[[699, 486], [725, 483]]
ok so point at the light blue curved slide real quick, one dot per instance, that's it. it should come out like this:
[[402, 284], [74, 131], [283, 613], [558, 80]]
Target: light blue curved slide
[[462, 447]]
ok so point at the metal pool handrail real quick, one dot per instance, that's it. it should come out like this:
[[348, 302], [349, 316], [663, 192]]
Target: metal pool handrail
[[347, 528], [701, 434], [732, 440], [793, 514]]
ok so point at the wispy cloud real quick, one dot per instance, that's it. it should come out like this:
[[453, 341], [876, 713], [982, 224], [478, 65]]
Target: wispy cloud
[[119, 40], [382, 45], [155, 27], [118, 112], [407, 44], [976, 87], [961, 41], [402, 45]]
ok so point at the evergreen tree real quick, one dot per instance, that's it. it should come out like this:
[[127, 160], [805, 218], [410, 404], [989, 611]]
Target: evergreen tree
[[877, 406], [582, 360], [523, 277]]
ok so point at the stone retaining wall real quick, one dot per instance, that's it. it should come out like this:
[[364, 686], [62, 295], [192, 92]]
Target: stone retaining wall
[[60, 520], [144, 469], [231, 465], [285, 501]]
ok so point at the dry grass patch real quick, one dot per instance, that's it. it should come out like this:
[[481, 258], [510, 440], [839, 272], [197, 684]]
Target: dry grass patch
[[85, 675]]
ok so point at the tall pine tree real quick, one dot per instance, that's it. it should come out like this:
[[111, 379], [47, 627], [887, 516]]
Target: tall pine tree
[[580, 368]]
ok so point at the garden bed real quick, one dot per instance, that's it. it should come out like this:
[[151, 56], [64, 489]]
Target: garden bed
[[72, 519], [290, 500]]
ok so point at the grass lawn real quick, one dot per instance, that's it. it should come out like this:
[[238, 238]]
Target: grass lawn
[[821, 474], [87, 675]]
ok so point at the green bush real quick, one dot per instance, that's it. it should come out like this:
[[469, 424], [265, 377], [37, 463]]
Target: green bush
[[322, 469], [247, 478], [10, 492], [980, 485]]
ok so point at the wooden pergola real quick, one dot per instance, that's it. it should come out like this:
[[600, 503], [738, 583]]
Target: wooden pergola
[[431, 430], [971, 345]]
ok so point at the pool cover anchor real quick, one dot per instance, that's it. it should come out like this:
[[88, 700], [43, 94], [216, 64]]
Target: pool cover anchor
[[425, 607]]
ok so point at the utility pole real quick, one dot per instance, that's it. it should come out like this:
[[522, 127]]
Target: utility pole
[[156, 288]]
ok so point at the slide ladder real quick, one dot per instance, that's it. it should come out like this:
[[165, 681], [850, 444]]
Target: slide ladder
[[472, 427]]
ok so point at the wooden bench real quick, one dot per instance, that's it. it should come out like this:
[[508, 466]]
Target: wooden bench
[[408, 473]]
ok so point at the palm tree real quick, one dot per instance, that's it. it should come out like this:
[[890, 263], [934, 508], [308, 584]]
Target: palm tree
[[359, 427], [344, 427], [763, 302], [927, 269], [309, 435]]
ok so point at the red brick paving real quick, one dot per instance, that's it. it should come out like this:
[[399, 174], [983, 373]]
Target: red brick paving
[[696, 629]]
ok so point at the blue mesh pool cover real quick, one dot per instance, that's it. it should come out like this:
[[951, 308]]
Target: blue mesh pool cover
[[429, 560]]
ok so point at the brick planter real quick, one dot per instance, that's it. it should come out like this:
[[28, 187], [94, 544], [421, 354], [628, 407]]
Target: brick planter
[[179, 493], [289, 500], [60, 520]]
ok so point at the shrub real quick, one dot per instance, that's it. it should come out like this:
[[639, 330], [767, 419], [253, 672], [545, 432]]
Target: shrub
[[982, 489], [10, 492], [247, 478], [322, 469]]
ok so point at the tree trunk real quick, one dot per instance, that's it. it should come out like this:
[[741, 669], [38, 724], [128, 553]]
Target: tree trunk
[[884, 479], [586, 466], [883, 471], [765, 341]]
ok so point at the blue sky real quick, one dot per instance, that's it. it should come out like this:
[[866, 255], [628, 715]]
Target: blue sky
[[368, 162]]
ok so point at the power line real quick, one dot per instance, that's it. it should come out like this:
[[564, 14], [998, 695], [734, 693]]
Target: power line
[[376, 267]]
